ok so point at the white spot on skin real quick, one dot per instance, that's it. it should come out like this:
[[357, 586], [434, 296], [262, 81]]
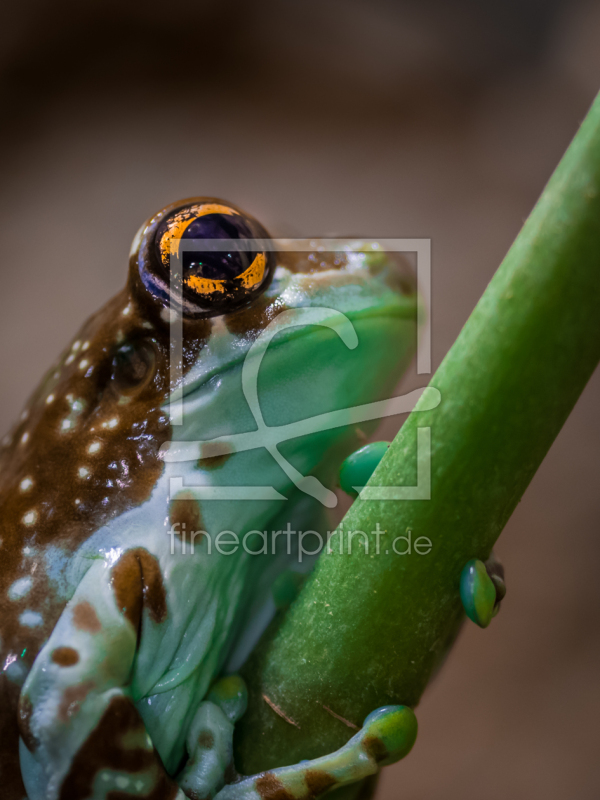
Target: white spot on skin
[[84, 363], [26, 484], [25, 437], [84, 346], [111, 423], [76, 346], [139, 785], [31, 619], [50, 399], [83, 472], [77, 501], [67, 424], [148, 325], [27, 551], [94, 448], [15, 671], [122, 782], [280, 273], [168, 315], [70, 359], [20, 588], [127, 310], [30, 517], [76, 404], [25, 414]]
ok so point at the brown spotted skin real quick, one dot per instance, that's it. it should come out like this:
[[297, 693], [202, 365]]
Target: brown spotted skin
[[137, 583], [117, 743], [65, 656], [318, 781], [270, 787], [65, 473]]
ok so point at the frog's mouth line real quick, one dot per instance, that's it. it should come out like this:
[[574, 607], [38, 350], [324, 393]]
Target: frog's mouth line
[[406, 310]]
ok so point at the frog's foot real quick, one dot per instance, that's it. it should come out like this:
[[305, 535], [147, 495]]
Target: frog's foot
[[482, 589], [81, 735], [387, 736], [360, 465], [210, 739]]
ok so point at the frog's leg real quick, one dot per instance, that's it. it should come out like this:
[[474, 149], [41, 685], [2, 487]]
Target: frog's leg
[[81, 735], [482, 586], [387, 736], [210, 739]]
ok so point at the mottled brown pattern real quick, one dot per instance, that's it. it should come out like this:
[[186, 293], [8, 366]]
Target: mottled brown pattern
[[137, 583], [85, 618], [65, 656], [73, 697], [104, 749], [84, 451], [375, 748], [249, 322], [318, 781], [184, 514], [12, 783], [213, 456], [271, 788], [24, 721], [206, 740]]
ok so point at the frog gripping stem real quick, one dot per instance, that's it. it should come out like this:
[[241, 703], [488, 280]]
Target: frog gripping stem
[[387, 736]]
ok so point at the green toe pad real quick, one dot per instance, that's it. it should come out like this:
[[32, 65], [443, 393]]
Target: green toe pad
[[389, 733], [478, 593], [358, 467]]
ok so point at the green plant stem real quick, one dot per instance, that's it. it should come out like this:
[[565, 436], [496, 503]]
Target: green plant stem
[[368, 630]]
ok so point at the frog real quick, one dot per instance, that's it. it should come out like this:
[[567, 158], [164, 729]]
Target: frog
[[123, 622]]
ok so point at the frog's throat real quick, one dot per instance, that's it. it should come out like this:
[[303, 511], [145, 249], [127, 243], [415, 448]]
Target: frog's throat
[[406, 310]]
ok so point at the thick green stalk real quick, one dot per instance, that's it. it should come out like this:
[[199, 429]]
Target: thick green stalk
[[368, 630]]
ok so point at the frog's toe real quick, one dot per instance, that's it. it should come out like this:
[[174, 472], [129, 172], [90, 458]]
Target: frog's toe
[[387, 736], [482, 589], [389, 733], [360, 465], [210, 739]]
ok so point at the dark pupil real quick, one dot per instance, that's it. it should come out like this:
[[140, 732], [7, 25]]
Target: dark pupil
[[224, 265]]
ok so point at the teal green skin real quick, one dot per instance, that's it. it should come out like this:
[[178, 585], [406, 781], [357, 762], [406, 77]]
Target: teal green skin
[[162, 684], [481, 584], [358, 467], [478, 593]]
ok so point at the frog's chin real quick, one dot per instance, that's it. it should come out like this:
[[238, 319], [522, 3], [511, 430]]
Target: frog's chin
[[333, 364], [299, 331]]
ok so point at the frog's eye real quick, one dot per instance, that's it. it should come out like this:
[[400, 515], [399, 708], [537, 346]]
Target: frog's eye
[[214, 255], [134, 366]]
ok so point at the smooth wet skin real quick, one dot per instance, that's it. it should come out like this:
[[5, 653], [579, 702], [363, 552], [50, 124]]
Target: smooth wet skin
[[118, 612]]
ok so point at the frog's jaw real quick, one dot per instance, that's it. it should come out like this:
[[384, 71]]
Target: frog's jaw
[[305, 372], [358, 289]]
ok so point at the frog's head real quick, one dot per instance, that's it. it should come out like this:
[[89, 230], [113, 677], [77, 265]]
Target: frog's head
[[87, 446]]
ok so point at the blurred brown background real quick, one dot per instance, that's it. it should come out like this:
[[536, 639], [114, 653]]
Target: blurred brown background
[[431, 118]]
